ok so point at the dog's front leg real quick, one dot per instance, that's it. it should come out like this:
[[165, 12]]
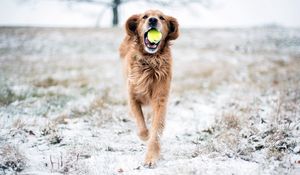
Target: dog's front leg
[[137, 113], [159, 104]]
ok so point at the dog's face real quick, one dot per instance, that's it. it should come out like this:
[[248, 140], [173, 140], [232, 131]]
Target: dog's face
[[139, 25]]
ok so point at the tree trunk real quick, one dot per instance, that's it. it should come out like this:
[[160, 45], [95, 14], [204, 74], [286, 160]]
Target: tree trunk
[[115, 10]]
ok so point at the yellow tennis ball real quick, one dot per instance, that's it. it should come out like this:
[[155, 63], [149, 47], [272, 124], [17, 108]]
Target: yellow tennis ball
[[154, 36]]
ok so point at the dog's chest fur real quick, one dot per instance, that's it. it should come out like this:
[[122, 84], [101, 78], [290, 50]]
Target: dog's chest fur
[[147, 72]]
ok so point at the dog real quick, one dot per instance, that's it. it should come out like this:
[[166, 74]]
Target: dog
[[148, 74]]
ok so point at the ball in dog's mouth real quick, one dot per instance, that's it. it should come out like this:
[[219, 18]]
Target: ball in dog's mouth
[[152, 39]]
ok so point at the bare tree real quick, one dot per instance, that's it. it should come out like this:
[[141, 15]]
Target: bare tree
[[114, 5]]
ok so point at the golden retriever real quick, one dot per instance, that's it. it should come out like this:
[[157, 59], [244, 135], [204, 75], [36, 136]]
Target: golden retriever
[[148, 72]]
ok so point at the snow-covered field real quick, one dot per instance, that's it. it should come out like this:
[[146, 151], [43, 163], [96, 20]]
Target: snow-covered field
[[234, 106]]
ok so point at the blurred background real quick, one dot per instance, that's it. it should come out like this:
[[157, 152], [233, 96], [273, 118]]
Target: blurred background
[[190, 13], [234, 102]]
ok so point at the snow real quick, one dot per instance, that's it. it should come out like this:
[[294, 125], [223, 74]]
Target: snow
[[233, 108]]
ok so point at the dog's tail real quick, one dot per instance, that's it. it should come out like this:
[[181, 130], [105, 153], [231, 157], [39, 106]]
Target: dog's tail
[[122, 51], [124, 47]]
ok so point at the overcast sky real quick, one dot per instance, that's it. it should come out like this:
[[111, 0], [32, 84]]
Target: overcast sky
[[224, 13]]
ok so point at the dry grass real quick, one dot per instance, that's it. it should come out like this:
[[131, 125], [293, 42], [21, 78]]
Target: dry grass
[[7, 95], [201, 76], [11, 159], [68, 163], [80, 81], [265, 119]]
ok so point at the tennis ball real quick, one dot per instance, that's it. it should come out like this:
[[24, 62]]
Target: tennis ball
[[154, 36]]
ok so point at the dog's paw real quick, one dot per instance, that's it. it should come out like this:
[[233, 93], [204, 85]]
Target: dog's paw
[[144, 135], [151, 159], [150, 163]]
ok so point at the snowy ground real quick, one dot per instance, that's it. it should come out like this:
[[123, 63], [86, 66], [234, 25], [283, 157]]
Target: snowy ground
[[234, 106]]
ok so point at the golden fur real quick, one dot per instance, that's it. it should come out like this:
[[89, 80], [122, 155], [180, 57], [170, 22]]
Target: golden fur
[[148, 75]]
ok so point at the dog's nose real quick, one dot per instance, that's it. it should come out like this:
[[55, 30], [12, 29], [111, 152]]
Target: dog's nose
[[152, 22]]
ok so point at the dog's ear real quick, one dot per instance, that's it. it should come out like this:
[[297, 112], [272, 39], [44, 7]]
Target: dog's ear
[[131, 25], [173, 28]]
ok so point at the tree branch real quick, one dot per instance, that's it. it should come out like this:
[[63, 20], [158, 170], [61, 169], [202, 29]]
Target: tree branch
[[106, 3]]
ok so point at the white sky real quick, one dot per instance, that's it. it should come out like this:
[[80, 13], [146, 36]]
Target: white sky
[[225, 13]]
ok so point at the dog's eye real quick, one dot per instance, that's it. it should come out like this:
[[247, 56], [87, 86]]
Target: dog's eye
[[145, 17], [161, 18]]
